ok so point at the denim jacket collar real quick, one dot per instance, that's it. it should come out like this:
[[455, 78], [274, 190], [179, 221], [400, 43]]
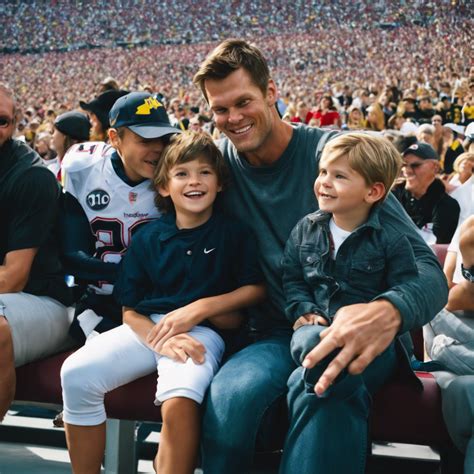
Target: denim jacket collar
[[373, 221]]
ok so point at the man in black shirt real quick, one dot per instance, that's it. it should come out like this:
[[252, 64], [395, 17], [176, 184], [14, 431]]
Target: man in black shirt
[[33, 294], [424, 197]]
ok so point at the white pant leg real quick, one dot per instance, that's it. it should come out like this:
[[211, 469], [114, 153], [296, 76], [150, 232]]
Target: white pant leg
[[106, 362], [190, 380], [39, 326]]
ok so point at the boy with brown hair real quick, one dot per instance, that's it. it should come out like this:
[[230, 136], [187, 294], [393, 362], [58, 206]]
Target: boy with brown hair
[[185, 273]]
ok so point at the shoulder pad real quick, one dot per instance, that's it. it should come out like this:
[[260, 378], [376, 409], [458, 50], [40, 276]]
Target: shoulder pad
[[84, 155]]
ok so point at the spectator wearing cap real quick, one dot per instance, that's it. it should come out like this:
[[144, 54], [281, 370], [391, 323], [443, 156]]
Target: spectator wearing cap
[[98, 111], [424, 197], [69, 128]]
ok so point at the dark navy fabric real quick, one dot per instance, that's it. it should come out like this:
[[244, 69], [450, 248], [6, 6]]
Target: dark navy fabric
[[167, 268]]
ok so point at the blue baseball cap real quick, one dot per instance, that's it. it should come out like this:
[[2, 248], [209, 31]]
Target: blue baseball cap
[[143, 114]]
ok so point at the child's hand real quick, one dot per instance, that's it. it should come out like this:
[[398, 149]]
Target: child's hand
[[182, 347], [310, 318], [179, 321]]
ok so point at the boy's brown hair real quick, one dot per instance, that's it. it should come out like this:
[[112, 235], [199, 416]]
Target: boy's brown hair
[[372, 156], [229, 56], [183, 148]]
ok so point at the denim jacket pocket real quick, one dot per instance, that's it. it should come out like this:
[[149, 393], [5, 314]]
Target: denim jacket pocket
[[368, 273], [309, 255], [310, 260]]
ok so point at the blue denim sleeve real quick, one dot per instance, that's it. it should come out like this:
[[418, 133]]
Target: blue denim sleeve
[[298, 295], [422, 296]]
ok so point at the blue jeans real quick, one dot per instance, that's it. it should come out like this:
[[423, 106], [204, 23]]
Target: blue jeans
[[243, 390], [330, 434]]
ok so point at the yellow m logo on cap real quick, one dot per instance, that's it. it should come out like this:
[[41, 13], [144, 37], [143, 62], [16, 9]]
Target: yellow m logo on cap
[[145, 108]]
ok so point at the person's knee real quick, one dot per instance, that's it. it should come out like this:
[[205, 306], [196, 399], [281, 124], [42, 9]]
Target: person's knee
[[6, 341], [305, 339], [461, 391], [74, 379]]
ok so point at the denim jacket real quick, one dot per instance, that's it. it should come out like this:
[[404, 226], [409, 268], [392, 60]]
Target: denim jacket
[[369, 265]]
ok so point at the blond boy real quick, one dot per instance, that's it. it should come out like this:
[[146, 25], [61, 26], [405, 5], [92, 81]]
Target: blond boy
[[342, 255]]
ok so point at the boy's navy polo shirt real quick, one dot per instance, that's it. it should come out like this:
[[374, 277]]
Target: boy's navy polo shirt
[[166, 268]]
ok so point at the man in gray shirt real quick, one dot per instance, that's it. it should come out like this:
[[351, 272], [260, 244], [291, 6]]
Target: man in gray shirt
[[273, 168]]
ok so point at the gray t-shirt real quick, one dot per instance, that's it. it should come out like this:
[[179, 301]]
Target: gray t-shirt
[[272, 199]]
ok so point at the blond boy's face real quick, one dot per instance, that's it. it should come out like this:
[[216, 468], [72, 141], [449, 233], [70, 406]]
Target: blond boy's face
[[342, 191], [193, 187]]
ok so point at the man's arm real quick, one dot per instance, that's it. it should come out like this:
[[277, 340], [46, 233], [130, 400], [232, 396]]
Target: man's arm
[[15, 271], [33, 213], [461, 296], [445, 219]]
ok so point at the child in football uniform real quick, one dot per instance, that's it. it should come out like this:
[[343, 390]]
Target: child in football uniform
[[107, 198]]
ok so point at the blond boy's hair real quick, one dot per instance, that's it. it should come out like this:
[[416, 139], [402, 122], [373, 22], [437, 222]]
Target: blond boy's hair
[[183, 148], [372, 156]]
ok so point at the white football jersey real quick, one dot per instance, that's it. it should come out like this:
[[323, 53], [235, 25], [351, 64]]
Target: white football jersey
[[114, 209]]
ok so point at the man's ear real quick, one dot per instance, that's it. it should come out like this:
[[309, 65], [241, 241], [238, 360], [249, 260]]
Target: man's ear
[[375, 193], [114, 138], [271, 92]]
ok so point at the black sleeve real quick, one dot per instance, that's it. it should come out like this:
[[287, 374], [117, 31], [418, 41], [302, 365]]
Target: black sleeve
[[445, 219], [78, 245], [33, 211]]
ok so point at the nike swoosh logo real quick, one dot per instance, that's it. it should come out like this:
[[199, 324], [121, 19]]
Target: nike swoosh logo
[[209, 251]]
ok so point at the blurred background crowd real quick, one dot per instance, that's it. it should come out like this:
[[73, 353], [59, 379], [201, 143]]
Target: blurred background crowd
[[346, 64]]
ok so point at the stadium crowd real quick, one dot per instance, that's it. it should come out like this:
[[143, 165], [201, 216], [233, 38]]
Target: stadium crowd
[[405, 71]]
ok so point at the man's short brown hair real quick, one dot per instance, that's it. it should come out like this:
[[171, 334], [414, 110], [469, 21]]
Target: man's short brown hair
[[183, 148], [230, 56], [372, 156]]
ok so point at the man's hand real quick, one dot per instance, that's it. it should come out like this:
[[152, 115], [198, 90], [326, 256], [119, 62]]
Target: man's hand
[[183, 346], [362, 331], [310, 318], [179, 321]]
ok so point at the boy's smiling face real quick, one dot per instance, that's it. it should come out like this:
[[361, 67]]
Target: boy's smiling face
[[344, 192], [193, 187]]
